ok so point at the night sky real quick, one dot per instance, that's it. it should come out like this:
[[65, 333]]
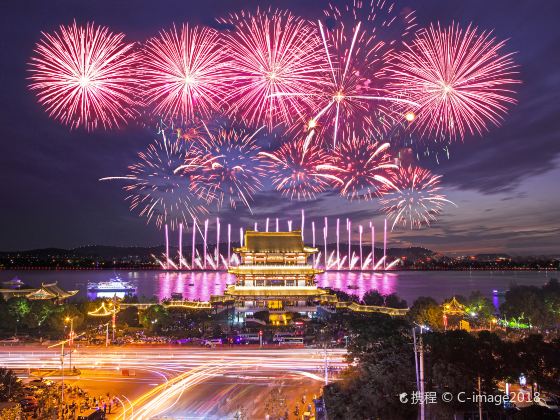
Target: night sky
[[505, 183]]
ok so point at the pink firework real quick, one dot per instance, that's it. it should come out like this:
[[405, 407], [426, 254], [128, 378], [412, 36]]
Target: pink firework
[[164, 185], [415, 200], [274, 56], [459, 78], [301, 172], [235, 171], [85, 76], [364, 167], [383, 23], [184, 73], [353, 97]]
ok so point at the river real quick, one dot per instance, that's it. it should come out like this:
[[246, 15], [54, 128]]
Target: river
[[200, 285]]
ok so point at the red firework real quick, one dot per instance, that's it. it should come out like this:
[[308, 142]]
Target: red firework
[[364, 167], [415, 199], [184, 73], [301, 172], [234, 168], [274, 57], [353, 97], [85, 76], [460, 79]]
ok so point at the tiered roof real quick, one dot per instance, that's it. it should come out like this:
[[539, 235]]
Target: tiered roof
[[274, 242]]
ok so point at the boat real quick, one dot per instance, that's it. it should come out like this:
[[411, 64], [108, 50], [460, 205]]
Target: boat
[[351, 286], [113, 285], [14, 283]]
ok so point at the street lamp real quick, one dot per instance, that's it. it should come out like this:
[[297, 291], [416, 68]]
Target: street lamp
[[71, 335]]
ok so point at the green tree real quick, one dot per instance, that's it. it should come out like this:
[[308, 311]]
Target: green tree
[[426, 311], [154, 318], [380, 350], [373, 298], [394, 301], [18, 308], [481, 307], [527, 302]]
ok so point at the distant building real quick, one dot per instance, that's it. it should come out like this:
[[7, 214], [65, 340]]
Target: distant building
[[47, 291]]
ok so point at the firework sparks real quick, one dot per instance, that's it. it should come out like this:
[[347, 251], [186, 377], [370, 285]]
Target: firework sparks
[[356, 50], [236, 170], [184, 73], [415, 199], [301, 172], [364, 167], [85, 76], [165, 183], [273, 56], [460, 79]]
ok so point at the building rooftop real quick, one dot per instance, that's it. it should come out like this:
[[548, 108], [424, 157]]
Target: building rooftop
[[273, 242], [275, 269]]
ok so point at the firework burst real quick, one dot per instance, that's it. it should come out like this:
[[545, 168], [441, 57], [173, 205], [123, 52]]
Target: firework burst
[[235, 172], [273, 56], [415, 200], [364, 167], [165, 184], [184, 73], [460, 79], [85, 76], [301, 172]]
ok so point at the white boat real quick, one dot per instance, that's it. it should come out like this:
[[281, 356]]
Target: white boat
[[113, 285], [14, 283]]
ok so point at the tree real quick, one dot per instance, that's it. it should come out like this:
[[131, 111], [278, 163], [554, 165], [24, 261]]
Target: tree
[[10, 385], [18, 308], [373, 298], [527, 302], [380, 348], [426, 311], [154, 318], [394, 301], [11, 413]]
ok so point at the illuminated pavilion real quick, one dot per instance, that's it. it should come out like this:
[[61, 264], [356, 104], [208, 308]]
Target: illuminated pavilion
[[47, 291], [274, 275]]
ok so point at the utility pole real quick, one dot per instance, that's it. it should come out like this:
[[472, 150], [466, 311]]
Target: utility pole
[[479, 400], [326, 365], [62, 370], [422, 405], [419, 362]]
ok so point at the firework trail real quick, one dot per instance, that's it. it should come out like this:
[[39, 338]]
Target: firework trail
[[415, 199], [363, 167], [301, 172], [235, 172], [460, 79], [381, 19], [352, 97], [184, 73], [85, 76], [165, 184], [273, 56]]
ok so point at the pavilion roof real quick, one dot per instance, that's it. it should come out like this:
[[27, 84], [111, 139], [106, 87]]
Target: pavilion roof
[[453, 307], [274, 242]]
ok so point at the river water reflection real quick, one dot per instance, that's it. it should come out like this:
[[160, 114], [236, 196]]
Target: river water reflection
[[200, 285]]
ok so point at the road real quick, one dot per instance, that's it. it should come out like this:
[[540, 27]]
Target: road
[[181, 382]]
